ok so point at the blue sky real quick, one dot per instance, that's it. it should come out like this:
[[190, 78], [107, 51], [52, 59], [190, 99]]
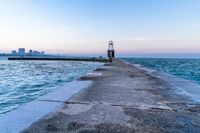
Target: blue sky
[[85, 26]]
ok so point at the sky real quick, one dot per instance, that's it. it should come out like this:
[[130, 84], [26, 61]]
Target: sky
[[137, 27]]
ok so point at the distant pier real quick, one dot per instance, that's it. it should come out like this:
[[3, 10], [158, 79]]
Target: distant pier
[[92, 59], [35, 55]]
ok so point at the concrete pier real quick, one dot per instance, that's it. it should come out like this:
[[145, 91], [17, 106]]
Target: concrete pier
[[59, 59], [123, 99]]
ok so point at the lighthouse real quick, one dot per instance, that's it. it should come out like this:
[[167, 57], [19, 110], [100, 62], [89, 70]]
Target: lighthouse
[[111, 51]]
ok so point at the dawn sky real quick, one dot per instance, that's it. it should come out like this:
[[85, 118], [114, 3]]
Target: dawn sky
[[85, 26]]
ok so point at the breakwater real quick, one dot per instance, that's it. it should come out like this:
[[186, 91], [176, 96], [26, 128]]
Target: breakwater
[[125, 99], [61, 59]]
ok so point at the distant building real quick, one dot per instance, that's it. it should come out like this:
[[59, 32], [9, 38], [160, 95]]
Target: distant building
[[14, 52], [36, 53], [21, 51], [111, 51], [30, 52]]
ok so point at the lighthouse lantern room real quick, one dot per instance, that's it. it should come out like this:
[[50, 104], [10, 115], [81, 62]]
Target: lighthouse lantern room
[[111, 51]]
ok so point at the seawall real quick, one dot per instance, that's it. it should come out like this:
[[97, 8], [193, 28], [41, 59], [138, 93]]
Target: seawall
[[59, 59], [124, 99]]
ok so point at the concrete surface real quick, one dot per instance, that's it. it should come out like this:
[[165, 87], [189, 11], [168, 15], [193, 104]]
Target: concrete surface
[[123, 99], [21, 118]]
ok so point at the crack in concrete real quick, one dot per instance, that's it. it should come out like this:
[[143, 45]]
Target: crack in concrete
[[73, 102], [51, 101]]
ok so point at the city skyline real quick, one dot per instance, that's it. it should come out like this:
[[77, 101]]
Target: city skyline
[[167, 27], [22, 52]]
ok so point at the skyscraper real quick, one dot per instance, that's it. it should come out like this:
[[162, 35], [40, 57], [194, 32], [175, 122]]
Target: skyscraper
[[21, 51]]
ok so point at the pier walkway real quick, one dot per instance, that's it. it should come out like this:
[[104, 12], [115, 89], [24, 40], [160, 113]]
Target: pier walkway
[[123, 99]]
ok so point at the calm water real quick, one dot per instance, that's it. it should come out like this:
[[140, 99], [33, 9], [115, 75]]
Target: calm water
[[184, 68], [24, 81]]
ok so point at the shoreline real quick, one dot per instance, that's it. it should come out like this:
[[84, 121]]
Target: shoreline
[[141, 102], [182, 85], [25, 81], [22, 117]]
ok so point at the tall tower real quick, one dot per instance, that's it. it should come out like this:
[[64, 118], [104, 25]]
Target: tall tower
[[111, 51]]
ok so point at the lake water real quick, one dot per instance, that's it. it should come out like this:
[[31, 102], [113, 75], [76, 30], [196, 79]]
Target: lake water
[[188, 69], [184, 68], [24, 81]]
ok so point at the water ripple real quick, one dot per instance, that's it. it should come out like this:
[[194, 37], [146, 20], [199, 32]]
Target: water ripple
[[184, 68], [23, 81]]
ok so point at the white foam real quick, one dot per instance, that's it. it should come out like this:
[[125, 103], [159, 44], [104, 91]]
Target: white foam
[[94, 74], [137, 65]]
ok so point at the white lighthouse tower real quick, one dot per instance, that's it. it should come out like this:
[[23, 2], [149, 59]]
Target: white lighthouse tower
[[111, 51]]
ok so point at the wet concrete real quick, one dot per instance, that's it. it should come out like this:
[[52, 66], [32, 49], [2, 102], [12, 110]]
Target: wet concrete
[[124, 99]]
